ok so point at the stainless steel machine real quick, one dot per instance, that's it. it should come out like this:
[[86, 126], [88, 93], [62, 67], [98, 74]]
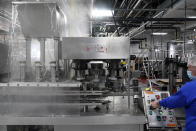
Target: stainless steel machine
[[89, 88], [77, 83], [73, 83], [96, 64]]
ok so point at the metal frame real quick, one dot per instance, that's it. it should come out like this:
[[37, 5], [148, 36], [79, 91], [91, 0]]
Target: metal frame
[[74, 120], [41, 84], [95, 48]]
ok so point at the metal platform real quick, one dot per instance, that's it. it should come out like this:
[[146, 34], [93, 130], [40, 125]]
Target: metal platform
[[74, 120]]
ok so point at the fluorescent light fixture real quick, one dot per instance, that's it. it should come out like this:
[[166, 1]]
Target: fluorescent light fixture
[[157, 50], [102, 13], [96, 62], [159, 33], [191, 17], [190, 42]]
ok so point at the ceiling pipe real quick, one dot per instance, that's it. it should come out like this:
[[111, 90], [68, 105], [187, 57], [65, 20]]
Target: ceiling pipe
[[170, 8], [115, 21], [133, 31], [162, 28], [122, 4], [154, 19], [131, 2], [115, 2], [141, 28], [135, 6], [31, 2], [138, 13], [146, 5]]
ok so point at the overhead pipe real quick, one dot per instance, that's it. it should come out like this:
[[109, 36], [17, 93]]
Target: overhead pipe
[[128, 16], [179, 3], [117, 28], [185, 15], [143, 25], [31, 2], [121, 5], [137, 13], [143, 9], [123, 15], [129, 5], [142, 19], [164, 27], [190, 25], [138, 2], [115, 2]]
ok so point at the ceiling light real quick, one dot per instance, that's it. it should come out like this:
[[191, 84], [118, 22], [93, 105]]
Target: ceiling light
[[157, 50], [159, 33], [102, 13], [190, 42], [191, 17]]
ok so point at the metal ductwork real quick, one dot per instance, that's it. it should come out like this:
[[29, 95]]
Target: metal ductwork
[[39, 19], [78, 13], [134, 32]]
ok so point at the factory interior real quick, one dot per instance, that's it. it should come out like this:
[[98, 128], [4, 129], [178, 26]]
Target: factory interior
[[93, 65]]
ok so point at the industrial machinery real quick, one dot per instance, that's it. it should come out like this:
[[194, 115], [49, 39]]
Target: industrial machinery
[[76, 82], [96, 63], [161, 118], [65, 81]]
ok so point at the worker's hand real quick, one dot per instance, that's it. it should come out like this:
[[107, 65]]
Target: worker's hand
[[155, 104]]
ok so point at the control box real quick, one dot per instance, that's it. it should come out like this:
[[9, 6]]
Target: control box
[[160, 117]]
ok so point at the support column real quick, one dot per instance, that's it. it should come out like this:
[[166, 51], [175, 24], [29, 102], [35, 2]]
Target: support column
[[163, 69], [37, 71], [42, 51], [22, 70], [53, 71], [28, 52], [67, 68], [172, 75], [56, 51], [28, 60]]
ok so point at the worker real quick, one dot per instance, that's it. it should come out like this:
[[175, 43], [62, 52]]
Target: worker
[[185, 97]]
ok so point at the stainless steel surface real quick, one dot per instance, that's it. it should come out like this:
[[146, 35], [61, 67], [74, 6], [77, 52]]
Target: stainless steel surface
[[53, 71], [39, 99], [3, 58], [176, 48], [28, 54], [95, 48], [38, 19], [78, 14], [37, 71], [42, 51], [123, 127], [41, 84], [30, 2], [22, 70], [31, 99], [4, 24], [129, 67], [73, 120]]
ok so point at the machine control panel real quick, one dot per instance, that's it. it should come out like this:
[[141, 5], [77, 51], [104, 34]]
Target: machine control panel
[[161, 117]]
